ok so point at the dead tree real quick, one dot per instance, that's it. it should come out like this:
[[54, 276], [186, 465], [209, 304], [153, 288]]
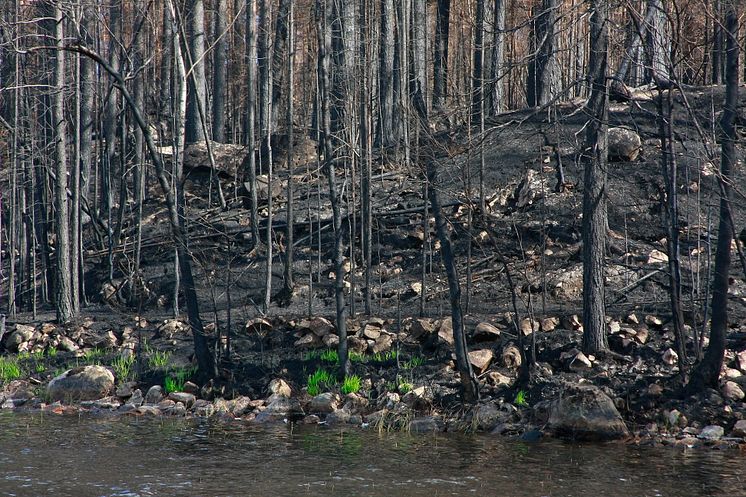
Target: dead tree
[[595, 156], [707, 372], [543, 80]]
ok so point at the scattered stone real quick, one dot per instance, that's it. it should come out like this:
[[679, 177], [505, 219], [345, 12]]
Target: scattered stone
[[624, 145], [203, 408], [632, 319], [171, 327], [190, 387], [657, 257], [83, 383], [712, 432], [280, 408], [654, 321], [308, 341], [421, 327], [239, 406], [372, 332], [330, 341], [487, 416], [584, 412], [549, 324], [280, 388], [149, 411], [741, 361], [731, 390], [731, 373], [480, 359], [486, 332], [670, 357], [311, 419], [320, 326], [154, 395], [355, 403], [357, 345], [739, 429], [382, 344], [389, 400], [572, 323], [528, 326], [324, 403], [577, 361], [445, 332], [124, 390], [185, 398], [136, 398], [498, 379], [672, 417], [614, 326], [641, 335], [511, 357], [655, 390], [257, 325], [426, 424], [339, 416]]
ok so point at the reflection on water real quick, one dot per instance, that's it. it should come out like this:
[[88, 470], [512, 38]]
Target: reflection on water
[[48, 455]]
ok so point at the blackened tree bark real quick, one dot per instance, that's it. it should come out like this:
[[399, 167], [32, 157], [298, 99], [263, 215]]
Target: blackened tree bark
[[196, 105], [707, 372], [594, 195], [657, 43], [385, 132], [543, 83], [365, 151], [419, 48], [495, 97], [288, 271], [178, 231], [63, 286], [477, 95], [264, 57], [220, 68], [323, 28], [251, 82], [279, 56], [440, 68]]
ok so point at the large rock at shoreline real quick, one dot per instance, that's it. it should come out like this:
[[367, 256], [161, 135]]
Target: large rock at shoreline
[[84, 383], [583, 412]]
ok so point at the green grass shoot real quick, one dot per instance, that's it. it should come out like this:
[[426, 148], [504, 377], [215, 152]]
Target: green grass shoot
[[320, 380], [9, 370], [520, 399], [159, 359], [122, 367], [351, 384]]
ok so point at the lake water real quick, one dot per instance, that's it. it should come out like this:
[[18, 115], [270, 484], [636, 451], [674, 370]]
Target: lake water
[[71, 456]]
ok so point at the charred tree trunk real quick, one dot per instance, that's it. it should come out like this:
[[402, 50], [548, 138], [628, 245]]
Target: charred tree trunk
[[289, 241], [323, 28], [440, 70], [419, 47], [477, 95], [220, 68], [595, 156], [543, 83], [63, 286], [495, 98], [196, 106], [251, 85], [385, 132], [279, 55], [707, 372]]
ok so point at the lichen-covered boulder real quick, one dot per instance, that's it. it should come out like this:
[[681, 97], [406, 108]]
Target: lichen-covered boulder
[[584, 412], [83, 383]]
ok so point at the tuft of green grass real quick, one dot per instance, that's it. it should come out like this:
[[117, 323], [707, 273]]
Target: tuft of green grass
[[52, 352], [39, 368], [9, 370], [320, 380], [391, 355], [414, 362], [520, 399], [122, 367], [357, 357], [405, 387], [175, 381], [351, 384], [23, 356], [93, 356], [38, 355], [330, 355], [159, 359]]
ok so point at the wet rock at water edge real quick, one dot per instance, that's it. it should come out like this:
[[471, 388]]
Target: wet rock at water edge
[[739, 429], [84, 383], [326, 402], [426, 424], [712, 432], [279, 387], [584, 412], [154, 395], [185, 398]]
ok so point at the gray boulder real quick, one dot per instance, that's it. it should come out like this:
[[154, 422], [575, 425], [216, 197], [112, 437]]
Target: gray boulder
[[583, 412], [84, 383], [624, 145]]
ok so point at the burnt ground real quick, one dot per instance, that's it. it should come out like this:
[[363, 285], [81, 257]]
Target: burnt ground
[[535, 228]]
